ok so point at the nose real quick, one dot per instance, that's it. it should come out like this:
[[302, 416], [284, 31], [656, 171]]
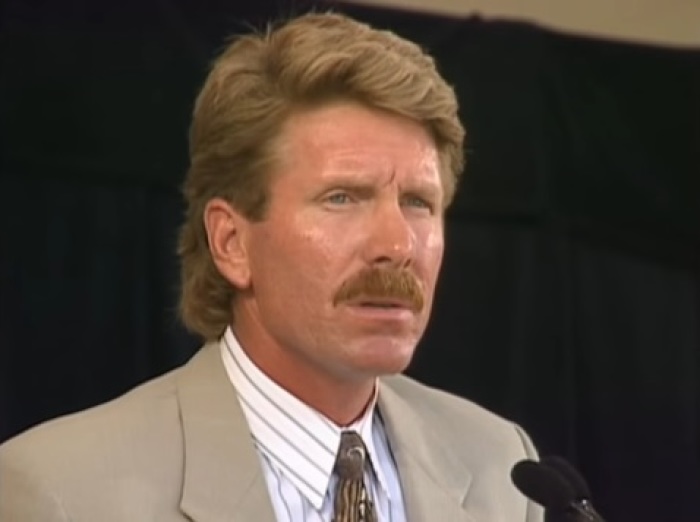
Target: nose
[[391, 240]]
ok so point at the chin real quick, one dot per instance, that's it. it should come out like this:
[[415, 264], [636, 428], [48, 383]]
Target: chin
[[383, 359], [391, 369]]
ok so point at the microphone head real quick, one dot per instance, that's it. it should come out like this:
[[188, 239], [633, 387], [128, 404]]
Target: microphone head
[[578, 483], [544, 485]]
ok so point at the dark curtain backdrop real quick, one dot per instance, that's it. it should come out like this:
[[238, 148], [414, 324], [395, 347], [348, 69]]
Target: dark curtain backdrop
[[569, 294]]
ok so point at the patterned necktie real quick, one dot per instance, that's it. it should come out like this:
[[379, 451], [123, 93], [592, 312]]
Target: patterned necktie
[[351, 501]]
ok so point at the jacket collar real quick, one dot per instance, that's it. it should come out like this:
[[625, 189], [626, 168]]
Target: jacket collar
[[434, 483], [223, 477], [223, 474]]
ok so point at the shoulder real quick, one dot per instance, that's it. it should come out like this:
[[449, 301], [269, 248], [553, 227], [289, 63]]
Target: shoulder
[[432, 401], [458, 417], [462, 437], [134, 432]]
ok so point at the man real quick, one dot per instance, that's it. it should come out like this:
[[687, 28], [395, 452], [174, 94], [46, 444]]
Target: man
[[323, 156]]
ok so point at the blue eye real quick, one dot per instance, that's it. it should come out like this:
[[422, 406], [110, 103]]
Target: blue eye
[[415, 201], [338, 198]]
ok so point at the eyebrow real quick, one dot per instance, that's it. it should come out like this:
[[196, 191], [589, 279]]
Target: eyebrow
[[367, 188]]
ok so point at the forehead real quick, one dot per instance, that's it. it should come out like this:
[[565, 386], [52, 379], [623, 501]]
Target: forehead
[[348, 136]]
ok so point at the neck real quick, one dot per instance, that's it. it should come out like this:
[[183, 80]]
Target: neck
[[341, 402], [342, 399], [341, 406]]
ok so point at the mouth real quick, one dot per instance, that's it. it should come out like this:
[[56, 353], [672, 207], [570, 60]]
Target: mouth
[[383, 305]]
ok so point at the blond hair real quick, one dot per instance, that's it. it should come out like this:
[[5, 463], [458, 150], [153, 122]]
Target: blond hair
[[252, 89]]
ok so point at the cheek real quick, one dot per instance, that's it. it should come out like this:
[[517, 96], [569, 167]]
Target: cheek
[[432, 251], [317, 243], [317, 254], [329, 238]]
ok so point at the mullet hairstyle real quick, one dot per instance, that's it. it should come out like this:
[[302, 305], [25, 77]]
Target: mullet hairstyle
[[252, 89]]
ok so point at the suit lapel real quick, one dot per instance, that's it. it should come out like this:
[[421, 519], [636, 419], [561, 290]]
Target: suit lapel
[[223, 478], [434, 485]]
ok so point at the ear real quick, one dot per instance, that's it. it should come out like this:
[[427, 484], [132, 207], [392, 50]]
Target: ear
[[227, 232]]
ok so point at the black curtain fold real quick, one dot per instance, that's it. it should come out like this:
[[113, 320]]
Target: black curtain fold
[[89, 284]]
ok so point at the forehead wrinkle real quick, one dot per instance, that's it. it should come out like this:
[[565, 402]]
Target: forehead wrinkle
[[306, 137], [392, 178]]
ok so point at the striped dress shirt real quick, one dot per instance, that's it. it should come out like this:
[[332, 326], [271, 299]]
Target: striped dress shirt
[[297, 446]]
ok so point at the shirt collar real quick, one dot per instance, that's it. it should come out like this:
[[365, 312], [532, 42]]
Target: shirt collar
[[300, 441]]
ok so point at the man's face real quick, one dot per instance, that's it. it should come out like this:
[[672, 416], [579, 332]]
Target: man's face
[[342, 269]]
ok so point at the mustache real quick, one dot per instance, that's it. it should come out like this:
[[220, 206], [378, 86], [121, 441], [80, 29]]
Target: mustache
[[388, 283]]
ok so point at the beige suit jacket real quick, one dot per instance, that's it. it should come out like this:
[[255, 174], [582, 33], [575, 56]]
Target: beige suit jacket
[[178, 448]]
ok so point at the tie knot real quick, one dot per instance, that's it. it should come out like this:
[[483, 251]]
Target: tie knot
[[350, 462]]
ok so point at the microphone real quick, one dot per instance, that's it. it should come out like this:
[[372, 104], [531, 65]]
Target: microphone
[[577, 482], [542, 484], [563, 494]]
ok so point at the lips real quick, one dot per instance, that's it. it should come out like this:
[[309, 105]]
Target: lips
[[382, 304]]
